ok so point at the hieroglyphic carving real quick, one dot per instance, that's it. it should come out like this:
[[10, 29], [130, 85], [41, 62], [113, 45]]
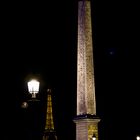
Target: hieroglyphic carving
[[81, 105], [85, 72], [90, 86]]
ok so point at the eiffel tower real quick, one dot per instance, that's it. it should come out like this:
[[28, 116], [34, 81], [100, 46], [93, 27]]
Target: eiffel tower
[[49, 132]]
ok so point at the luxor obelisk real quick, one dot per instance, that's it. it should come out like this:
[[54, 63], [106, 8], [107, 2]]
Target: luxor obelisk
[[86, 119]]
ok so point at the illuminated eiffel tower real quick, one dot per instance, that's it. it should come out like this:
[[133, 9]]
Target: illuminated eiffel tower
[[49, 133]]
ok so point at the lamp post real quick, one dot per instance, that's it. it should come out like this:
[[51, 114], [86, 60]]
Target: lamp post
[[94, 137], [33, 115], [33, 87], [138, 137]]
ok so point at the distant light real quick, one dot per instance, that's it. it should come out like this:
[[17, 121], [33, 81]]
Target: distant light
[[24, 105], [138, 137], [33, 87], [111, 52]]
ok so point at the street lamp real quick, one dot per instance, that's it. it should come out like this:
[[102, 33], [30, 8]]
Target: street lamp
[[33, 87], [94, 137], [138, 137]]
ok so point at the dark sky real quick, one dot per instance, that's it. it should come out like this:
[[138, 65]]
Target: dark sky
[[40, 38]]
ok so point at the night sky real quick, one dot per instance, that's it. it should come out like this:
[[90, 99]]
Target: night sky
[[40, 39]]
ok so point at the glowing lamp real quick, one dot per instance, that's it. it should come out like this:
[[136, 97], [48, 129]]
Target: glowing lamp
[[138, 137], [33, 87], [93, 137]]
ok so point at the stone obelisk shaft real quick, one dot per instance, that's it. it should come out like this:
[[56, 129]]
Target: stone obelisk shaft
[[86, 103], [86, 120]]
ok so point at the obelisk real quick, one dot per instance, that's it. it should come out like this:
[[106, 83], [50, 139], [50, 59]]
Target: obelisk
[[86, 119]]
